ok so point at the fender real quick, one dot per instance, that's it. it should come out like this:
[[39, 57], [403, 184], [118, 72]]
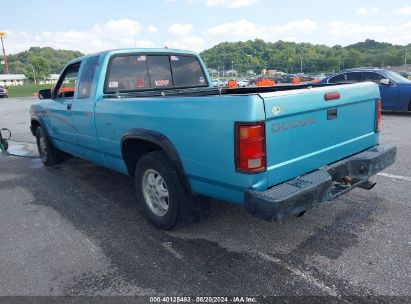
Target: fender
[[160, 140], [40, 122]]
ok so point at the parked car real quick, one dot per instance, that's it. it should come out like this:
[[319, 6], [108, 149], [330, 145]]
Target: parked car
[[153, 114], [242, 83], [395, 90], [216, 83], [4, 92], [405, 74]]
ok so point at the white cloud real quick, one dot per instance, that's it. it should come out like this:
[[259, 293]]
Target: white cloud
[[347, 33], [112, 34], [243, 29], [403, 11], [340, 28], [152, 29], [231, 3], [122, 26], [180, 29], [188, 43], [399, 34], [305, 26], [367, 11]]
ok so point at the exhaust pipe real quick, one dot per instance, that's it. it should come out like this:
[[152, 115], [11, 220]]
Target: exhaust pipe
[[367, 185]]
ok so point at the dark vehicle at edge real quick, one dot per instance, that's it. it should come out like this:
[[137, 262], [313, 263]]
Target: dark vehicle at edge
[[395, 89]]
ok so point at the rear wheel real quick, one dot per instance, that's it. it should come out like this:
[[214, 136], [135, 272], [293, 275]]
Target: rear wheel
[[159, 190], [49, 154], [409, 107]]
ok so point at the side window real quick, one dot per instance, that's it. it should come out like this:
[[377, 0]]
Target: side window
[[354, 77], [160, 73], [67, 83], [87, 76], [338, 78], [374, 77], [187, 71], [128, 73]]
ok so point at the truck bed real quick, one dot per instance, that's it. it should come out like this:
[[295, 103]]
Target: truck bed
[[215, 91]]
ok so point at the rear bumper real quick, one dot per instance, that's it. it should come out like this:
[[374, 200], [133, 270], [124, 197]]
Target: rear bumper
[[324, 184]]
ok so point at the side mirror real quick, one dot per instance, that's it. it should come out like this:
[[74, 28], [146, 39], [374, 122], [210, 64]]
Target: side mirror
[[385, 81], [45, 94]]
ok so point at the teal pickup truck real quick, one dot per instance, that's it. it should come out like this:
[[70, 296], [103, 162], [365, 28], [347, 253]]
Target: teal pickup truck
[[153, 114]]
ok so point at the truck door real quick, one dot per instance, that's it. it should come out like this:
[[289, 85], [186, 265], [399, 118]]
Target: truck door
[[83, 112], [63, 131]]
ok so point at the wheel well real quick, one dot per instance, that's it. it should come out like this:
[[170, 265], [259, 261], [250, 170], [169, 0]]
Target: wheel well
[[34, 125], [134, 148], [409, 106]]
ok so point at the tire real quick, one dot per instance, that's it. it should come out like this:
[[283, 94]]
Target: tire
[[409, 107], [159, 190], [49, 154]]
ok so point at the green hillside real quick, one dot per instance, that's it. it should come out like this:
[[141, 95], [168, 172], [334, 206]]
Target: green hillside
[[255, 55], [287, 56], [20, 63]]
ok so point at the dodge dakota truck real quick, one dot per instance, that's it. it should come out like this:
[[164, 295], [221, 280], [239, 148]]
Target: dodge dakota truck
[[154, 115]]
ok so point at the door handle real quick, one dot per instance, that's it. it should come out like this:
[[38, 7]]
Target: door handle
[[69, 106]]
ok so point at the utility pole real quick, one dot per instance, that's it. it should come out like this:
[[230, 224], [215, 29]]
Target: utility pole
[[232, 68], [6, 66], [406, 55], [34, 74], [301, 65]]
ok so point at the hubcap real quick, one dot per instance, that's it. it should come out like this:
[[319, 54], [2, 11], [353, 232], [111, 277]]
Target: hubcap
[[42, 147], [155, 192]]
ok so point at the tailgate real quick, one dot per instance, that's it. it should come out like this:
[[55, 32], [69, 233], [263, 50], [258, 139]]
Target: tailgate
[[305, 132]]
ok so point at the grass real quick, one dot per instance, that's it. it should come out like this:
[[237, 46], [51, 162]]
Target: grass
[[26, 89]]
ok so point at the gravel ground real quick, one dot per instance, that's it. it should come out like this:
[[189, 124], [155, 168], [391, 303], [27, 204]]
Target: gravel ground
[[76, 230]]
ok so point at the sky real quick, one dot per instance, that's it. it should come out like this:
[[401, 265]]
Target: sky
[[92, 26]]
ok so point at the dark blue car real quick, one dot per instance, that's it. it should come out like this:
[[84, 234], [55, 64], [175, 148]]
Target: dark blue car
[[395, 90]]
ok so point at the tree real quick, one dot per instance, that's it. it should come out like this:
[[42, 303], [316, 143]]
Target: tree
[[40, 69]]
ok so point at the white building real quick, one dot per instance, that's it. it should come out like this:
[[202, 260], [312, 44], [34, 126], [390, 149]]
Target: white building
[[12, 79], [20, 79]]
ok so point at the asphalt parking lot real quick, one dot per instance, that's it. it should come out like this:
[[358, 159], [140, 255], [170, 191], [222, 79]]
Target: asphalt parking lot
[[76, 230]]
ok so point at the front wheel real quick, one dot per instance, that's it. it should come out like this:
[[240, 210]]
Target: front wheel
[[159, 190], [49, 154]]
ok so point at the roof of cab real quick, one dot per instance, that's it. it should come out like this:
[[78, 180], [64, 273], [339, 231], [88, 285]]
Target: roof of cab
[[134, 50]]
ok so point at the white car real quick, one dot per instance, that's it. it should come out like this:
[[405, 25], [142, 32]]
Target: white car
[[242, 83]]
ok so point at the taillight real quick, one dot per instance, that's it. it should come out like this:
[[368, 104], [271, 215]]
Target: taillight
[[331, 96], [250, 147], [378, 116]]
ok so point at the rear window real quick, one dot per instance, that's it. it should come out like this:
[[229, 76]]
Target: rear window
[[187, 71], [128, 73], [145, 72], [159, 71]]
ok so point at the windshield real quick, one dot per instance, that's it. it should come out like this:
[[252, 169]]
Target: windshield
[[397, 78]]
